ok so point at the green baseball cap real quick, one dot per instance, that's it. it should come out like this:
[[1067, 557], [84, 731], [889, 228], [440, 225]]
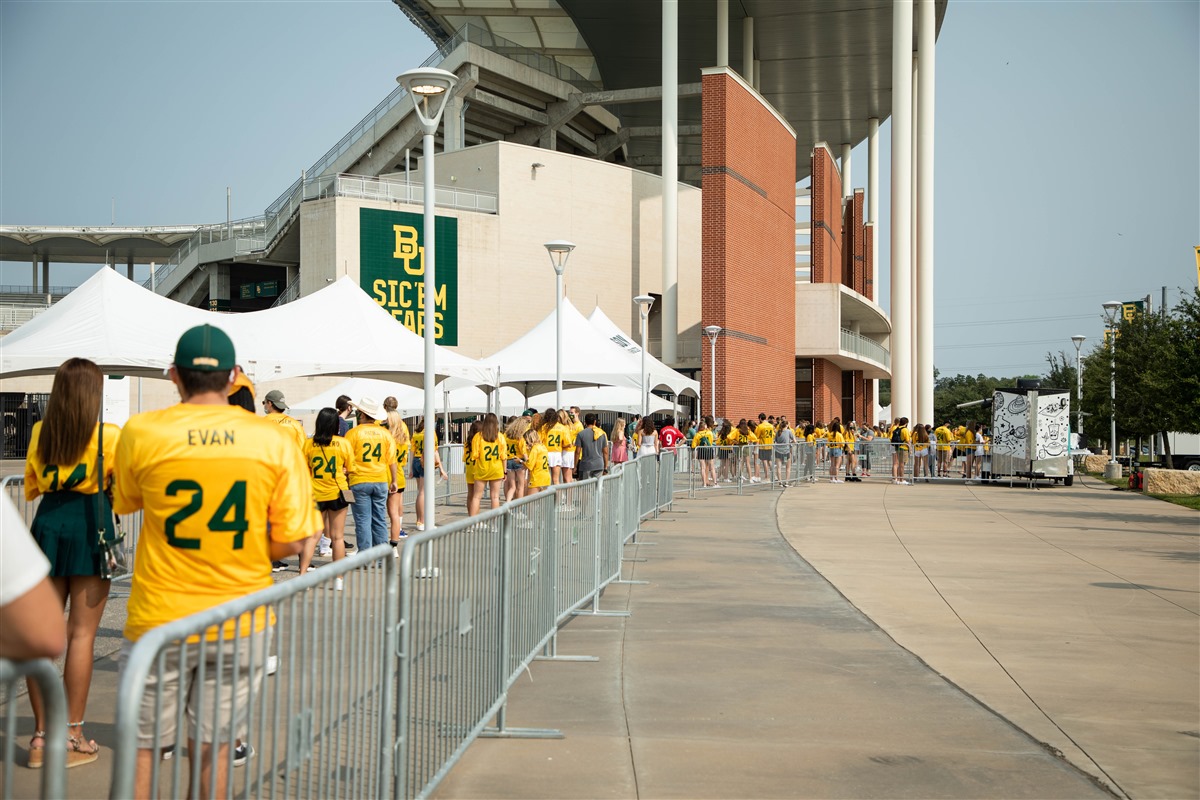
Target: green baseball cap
[[205, 349]]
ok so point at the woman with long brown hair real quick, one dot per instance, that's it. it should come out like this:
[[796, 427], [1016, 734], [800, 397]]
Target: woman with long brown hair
[[62, 468]]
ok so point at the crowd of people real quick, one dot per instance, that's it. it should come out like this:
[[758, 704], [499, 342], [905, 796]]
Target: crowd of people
[[228, 496]]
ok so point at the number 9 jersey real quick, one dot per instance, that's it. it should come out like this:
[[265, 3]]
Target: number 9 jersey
[[215, 483]]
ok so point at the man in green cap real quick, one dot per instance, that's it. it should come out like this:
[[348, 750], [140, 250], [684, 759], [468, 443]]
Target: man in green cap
[[224, 492]]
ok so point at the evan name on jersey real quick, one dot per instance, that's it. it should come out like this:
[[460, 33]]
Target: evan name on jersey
[[197, 436]]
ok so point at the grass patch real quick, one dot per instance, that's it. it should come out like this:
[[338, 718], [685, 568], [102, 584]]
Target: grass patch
[[1185, 500]]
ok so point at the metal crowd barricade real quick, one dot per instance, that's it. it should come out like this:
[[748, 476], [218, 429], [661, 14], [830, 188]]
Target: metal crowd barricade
[[42, 672], [381, 686], [319, 723], [131, 524]]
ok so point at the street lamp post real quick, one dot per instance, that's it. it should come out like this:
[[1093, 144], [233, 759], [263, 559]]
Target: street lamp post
[[559, 251], [1078, 340], [429, 88], [1112, 312], [644, 302], [713, 332]]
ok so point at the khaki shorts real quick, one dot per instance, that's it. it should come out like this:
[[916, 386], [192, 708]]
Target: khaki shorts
[[903, 456], [232, 692]]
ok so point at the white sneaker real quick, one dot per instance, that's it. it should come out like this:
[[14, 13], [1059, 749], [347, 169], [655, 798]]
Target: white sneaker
[[272, 664], [420, 526], [337, 585], [325, 551]]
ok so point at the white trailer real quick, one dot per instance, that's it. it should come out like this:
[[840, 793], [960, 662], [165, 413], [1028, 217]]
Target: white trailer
[[1031, 435]]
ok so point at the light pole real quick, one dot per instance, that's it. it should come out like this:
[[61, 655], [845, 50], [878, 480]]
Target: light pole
[[559, 251], [430, 88], [1112, 313], [644, 302], [1078, 340], [713, 332]]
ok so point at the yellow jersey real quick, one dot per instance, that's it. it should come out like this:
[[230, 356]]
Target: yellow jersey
[[943, 436], [327, 465], [516, 448], [401, 462], [77, 477], [292, 426], [555, 437], [374, 451], [538, 463], [765, 433], [702, 439], [418, 445], [216, 485], [489, 457], [848, 438]]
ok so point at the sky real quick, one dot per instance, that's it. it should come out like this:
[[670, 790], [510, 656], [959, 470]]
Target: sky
[[1067, 141]]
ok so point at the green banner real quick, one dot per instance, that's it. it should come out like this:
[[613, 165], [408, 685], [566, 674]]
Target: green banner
[[392, 269]]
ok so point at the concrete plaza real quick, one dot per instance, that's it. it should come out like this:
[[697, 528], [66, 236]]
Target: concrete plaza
[[855, 640]]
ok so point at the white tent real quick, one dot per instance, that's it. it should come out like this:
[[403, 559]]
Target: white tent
[[620, 399], [411, 399], [590, 358], [661, 376], [129, 330]]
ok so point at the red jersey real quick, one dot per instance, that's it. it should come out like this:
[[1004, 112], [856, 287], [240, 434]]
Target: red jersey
[[670, 436]]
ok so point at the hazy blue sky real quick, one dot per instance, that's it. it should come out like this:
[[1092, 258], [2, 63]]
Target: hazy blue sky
[[1068, 140]]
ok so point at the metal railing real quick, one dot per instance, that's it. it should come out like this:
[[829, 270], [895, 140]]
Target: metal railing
[[863, 347], [42, 672], [130, 524], [384, 682], [14, 316]]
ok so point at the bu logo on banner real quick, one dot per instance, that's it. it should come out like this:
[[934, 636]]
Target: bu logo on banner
[[392, 269]]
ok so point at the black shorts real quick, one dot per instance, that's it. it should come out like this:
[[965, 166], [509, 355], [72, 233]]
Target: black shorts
[[704, 453], [418, 468], [336, 504]]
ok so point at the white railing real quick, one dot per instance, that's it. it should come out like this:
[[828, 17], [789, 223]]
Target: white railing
[[863, 347], [12, 317]]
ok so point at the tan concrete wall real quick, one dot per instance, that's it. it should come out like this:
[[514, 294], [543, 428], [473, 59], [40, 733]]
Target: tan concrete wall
[[506, 283], [1171, 481]]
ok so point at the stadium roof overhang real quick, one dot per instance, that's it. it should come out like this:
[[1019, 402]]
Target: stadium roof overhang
[[825, 65], [91, 245]]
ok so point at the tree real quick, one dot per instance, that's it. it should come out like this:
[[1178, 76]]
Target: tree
[[1157, 374]]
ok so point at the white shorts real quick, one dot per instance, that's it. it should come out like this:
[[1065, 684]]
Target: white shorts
[[568, 459], [554, 458]]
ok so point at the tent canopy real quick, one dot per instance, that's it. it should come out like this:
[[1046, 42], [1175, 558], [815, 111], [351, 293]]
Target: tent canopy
[[129, 330], [661, 376]]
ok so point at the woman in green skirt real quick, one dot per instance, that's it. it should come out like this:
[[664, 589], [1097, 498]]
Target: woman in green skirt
[[61, 467]]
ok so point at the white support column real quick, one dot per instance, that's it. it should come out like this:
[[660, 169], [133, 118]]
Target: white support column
[[757, 82], [748, 49], [912, 337], [901, 227], [873, 199], [847, 180], [926, 33], [722, 33], [670, 180]]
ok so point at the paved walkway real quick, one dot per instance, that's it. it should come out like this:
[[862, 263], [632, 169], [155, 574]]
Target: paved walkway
[[1063, 616], [861, 640]]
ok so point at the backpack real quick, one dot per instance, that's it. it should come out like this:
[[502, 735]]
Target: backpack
[[897, 435]]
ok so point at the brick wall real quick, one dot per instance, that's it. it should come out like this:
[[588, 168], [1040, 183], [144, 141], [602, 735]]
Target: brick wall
[[826, 217], [868, 262], [748, 252], [827, 390]]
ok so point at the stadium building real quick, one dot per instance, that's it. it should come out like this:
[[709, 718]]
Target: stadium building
[[697, 152]]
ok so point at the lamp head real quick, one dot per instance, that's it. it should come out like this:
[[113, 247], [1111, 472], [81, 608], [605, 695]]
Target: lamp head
[[1078, 339], [430, 89], [645, 301], [1112, 310], [712, 330], [560, 251]]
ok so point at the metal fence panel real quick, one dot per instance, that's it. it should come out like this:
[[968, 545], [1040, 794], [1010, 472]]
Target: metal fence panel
[[42, 672], [319, 721]]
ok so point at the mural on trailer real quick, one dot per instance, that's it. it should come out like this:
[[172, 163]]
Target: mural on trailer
[[1053, 425], [392, 269], [1010, 424]]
